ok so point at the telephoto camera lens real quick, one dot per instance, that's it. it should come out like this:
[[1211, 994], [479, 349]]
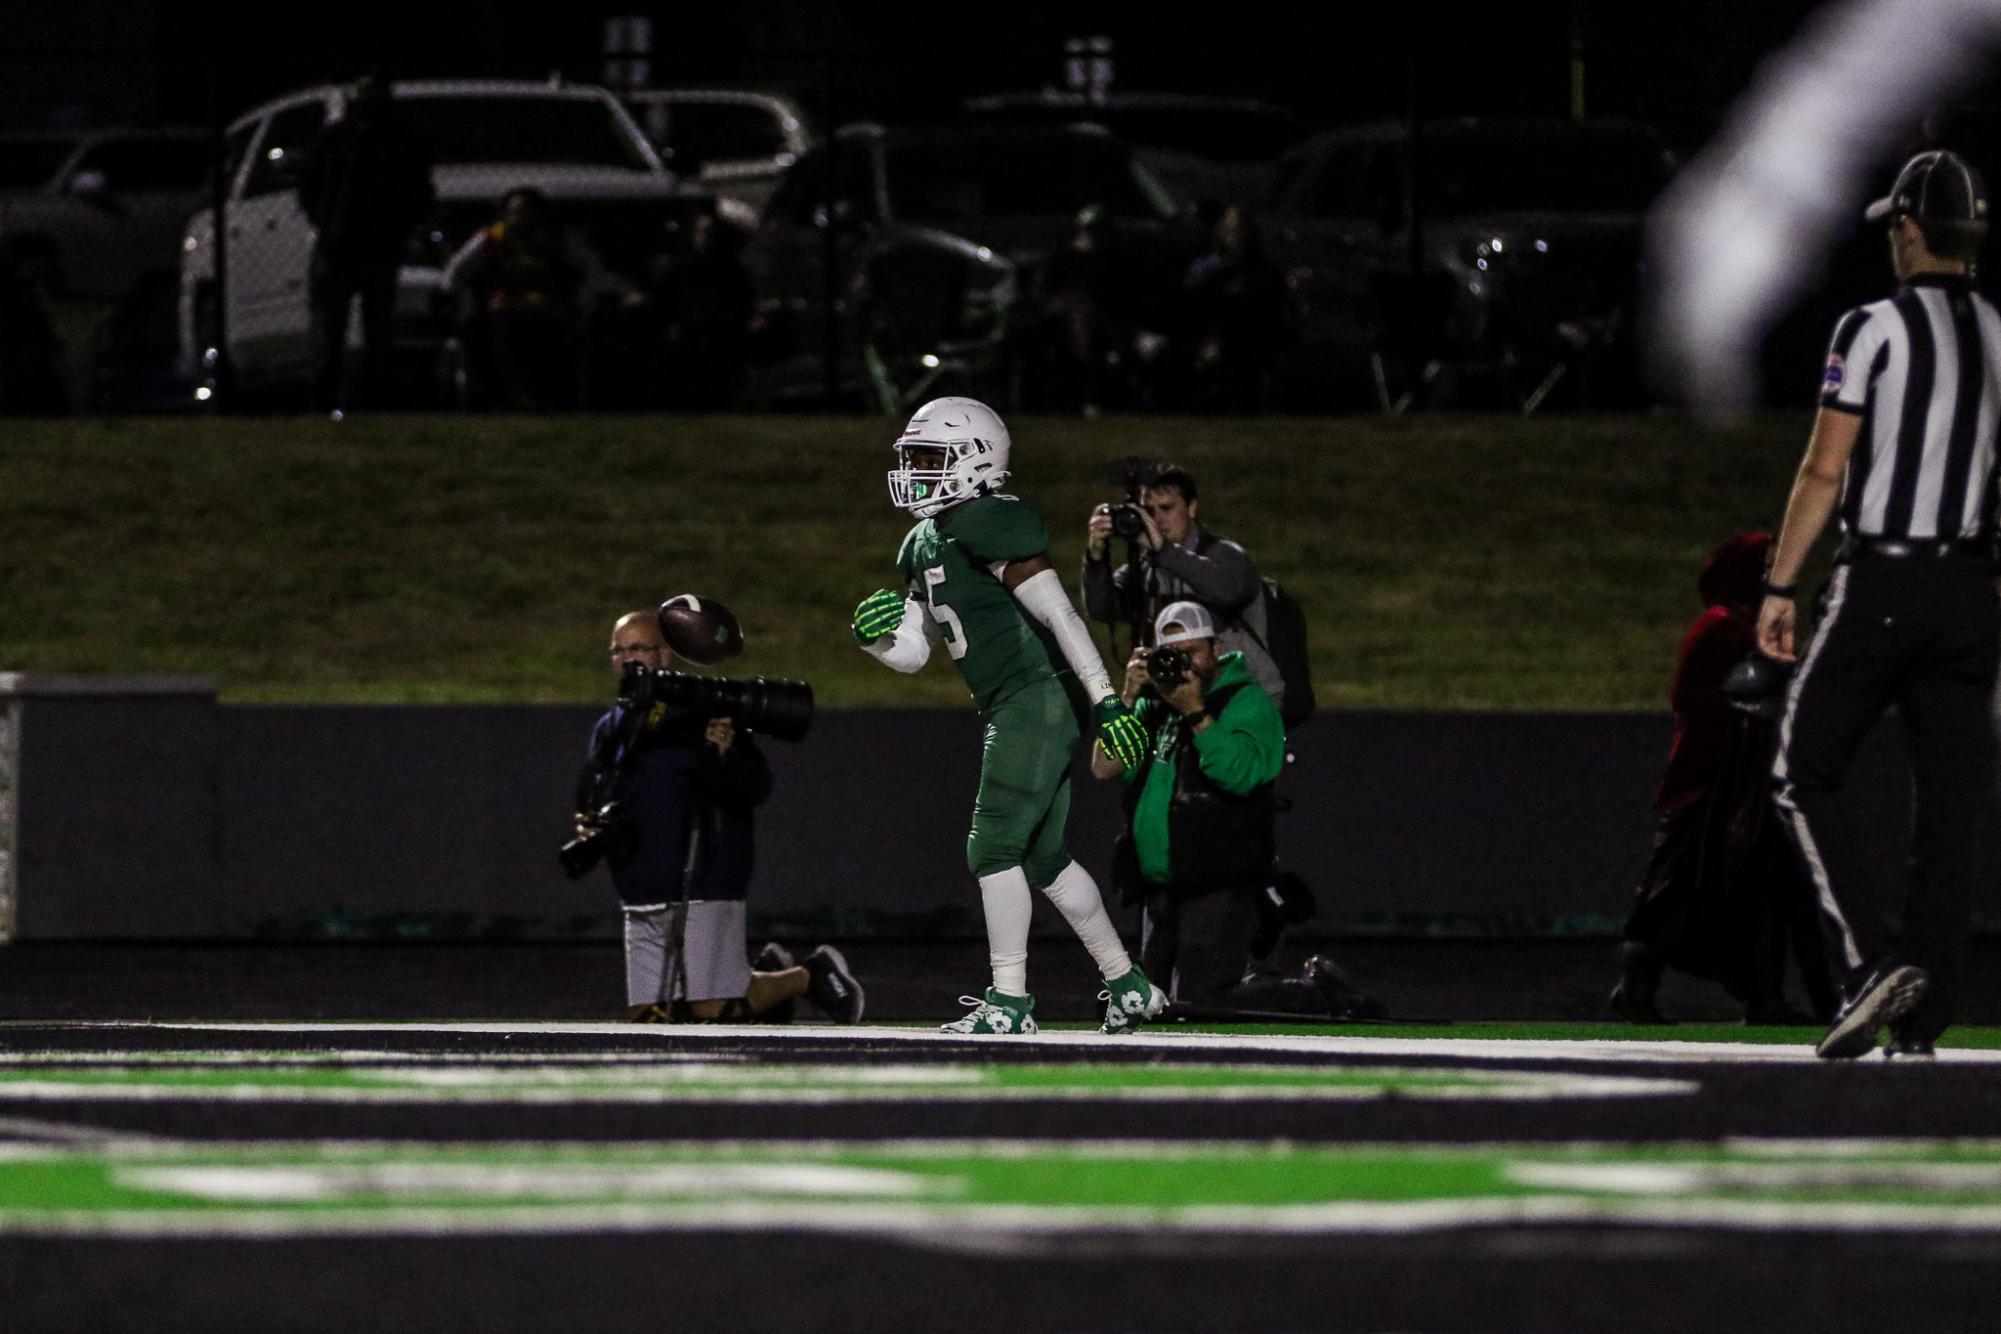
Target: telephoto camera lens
[[780, 709]]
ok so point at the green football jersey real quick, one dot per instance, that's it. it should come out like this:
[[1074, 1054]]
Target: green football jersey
[[997, 647]]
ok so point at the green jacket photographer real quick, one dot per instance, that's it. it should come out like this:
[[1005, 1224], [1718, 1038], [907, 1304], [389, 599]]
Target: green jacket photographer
[[1199, 808]]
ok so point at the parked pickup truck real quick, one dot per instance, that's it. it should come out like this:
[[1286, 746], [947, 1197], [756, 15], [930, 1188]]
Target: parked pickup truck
[[574, 142]]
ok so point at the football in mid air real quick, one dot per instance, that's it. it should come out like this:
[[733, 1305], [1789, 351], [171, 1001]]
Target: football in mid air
[[700, 629]]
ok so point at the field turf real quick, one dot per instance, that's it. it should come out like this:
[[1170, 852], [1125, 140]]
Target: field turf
[[1443, 562], [533, 1176]]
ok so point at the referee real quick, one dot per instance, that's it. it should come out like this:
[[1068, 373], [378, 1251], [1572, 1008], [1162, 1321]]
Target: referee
[[1904, 445]]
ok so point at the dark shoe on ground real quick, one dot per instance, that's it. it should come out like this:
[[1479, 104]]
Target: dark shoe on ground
[[1345, 1000], [1633, 1009], [648, 1014], [1884, 997], [831, 986], [1639, 980]]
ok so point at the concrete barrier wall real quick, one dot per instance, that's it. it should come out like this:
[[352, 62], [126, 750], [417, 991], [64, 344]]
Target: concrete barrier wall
[[169, 816]]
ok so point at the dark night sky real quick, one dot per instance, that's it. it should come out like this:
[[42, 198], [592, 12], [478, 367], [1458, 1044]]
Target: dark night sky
[[104, 60]]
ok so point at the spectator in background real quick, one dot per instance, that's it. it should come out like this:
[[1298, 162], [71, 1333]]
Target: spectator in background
[[530, 282], [365, 187], [1086, 299], [31, 378], [1234, 298], [680, 858], [703, 298], [1723, 890]]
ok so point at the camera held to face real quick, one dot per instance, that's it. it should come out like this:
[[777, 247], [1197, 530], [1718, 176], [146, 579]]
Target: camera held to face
[[1168, 666], [1127, 521]]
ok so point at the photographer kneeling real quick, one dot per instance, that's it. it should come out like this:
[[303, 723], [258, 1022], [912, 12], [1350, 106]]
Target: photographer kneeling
[[666, 803], [1198, 847]]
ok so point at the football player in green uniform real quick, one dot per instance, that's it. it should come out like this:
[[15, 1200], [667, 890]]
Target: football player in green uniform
[[977, 579]]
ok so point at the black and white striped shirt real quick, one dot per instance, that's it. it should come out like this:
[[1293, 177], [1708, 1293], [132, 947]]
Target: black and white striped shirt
[[1923, 370]]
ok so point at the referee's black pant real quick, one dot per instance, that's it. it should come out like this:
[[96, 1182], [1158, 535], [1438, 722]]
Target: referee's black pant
[[1922, 633]]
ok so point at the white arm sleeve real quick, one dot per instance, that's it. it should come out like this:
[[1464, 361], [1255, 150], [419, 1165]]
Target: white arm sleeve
[[1042, 596], [907, 647]]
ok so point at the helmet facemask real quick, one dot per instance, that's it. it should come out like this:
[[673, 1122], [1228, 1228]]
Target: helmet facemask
[[934, 475]]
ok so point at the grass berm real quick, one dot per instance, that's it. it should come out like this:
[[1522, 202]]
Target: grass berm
[[1443, 562]]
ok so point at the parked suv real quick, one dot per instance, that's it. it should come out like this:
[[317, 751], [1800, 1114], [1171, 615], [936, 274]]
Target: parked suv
[[734, 142], [100, 209], [573, 142], [933, 234], [1516, 279], [1202, 147]]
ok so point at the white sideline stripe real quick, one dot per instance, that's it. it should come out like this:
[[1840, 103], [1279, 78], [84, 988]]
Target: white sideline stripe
[[137, 1145], [1507, 1086], [1463, 1049], [936, 1224]]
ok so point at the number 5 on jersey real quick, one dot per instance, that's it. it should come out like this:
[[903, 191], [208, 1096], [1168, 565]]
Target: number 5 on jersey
[[955, 633]]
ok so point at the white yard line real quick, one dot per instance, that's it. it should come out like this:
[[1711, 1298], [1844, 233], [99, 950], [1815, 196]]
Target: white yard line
[[950, 1224], [1464, 1049]]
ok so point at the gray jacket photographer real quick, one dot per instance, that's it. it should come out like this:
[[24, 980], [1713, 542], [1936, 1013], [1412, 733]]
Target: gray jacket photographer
[[1169, 557]]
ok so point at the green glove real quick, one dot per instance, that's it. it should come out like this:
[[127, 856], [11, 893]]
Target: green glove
[[879, 614], [1120, 733]]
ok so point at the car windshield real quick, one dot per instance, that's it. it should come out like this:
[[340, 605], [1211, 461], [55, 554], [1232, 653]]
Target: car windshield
[[26, 163], [471, 131], [1020, 178], [1552, 172]]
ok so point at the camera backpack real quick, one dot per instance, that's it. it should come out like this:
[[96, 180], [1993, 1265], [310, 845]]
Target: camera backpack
[[1285, 640]]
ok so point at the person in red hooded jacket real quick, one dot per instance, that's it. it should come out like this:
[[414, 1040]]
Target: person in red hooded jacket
[[1723, 892]]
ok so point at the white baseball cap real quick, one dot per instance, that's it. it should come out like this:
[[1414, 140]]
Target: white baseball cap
[[1192, 617]]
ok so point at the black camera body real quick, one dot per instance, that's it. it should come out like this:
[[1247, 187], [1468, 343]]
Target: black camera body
[[1127, 521], [612, 834], [1168, 666]]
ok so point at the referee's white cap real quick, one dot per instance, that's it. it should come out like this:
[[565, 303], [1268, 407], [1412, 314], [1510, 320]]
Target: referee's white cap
[[1936, 186]]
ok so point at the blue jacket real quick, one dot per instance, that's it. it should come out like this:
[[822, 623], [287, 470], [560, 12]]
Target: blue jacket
[[679, 792]]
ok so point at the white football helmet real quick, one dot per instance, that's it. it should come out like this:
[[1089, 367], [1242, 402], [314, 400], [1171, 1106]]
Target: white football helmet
[[953, 449]]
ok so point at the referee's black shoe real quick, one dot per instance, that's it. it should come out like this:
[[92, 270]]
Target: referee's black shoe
[[1884, 997], [831, 986]]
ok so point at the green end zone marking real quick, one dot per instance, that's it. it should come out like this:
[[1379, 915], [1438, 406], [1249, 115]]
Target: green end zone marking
[[933, 1189], [346, 1077]]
